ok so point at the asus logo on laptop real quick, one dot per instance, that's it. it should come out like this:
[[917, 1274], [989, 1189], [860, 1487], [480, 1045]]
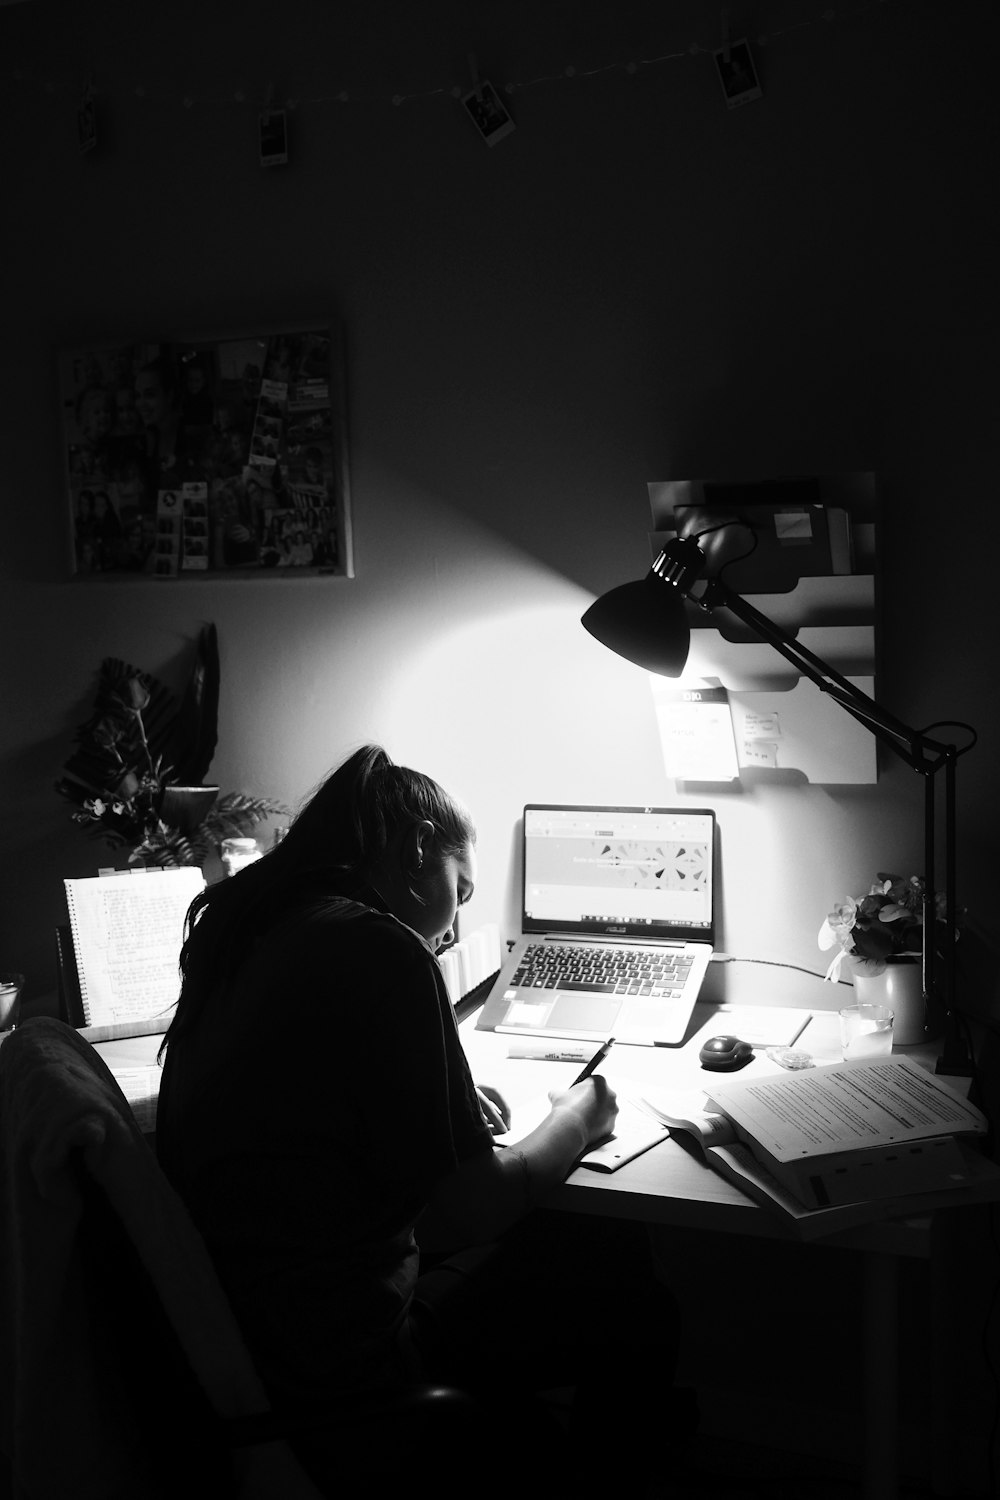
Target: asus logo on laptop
[[614, 929]]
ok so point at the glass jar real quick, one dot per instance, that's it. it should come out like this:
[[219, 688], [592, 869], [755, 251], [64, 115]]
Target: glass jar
[[238, 853], [11, 986]]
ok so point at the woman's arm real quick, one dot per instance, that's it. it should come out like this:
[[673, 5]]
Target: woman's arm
[[492, 1189]]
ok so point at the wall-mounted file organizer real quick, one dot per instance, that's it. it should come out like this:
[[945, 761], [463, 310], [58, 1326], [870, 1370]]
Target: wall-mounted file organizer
[[814, 572]]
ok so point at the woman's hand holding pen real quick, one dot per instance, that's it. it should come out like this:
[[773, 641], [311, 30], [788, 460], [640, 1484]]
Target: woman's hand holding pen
[[593, 1102]]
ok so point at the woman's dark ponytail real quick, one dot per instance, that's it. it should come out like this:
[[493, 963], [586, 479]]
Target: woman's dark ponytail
[[338, 836]]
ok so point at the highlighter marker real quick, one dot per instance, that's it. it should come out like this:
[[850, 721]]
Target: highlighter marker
[[546, 1052]]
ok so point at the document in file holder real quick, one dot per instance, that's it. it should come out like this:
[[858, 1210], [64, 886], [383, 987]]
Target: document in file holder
[[617, 924], [127, 933]]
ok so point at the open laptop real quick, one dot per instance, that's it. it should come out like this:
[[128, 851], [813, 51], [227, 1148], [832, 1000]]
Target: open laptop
[[617, 924]]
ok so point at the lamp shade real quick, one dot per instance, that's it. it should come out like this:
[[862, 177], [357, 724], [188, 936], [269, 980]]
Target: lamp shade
[[646, 622]]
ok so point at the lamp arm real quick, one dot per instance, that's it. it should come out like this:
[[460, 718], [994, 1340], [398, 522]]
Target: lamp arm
[[916, 748], [926, 755]]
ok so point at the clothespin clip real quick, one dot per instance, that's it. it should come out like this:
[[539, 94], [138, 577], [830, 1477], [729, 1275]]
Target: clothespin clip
[[477, 87], [86, 118], [726, 45]]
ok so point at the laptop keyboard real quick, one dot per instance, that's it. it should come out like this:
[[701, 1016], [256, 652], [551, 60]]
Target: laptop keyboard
[[603, 971]]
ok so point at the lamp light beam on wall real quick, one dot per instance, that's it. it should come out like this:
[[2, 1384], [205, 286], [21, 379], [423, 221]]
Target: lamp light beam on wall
[[647, 623]]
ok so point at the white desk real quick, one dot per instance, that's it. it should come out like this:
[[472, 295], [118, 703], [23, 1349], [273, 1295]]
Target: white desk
[[133, 1062], [669, 1186]]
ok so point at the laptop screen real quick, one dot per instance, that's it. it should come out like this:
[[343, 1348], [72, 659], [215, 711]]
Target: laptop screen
[[642, 871]]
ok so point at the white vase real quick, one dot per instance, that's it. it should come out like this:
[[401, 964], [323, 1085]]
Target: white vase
[[901, 987]]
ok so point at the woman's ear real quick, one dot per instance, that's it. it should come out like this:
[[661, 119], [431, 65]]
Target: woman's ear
[[417, 843]]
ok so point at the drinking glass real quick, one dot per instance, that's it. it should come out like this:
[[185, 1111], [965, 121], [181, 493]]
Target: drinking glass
[[865, 1031]]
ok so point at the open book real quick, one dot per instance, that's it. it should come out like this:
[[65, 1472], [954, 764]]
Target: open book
[[895, 1128]]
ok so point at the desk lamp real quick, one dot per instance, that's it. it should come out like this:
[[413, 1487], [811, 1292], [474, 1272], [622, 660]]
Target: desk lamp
[[647, 623]]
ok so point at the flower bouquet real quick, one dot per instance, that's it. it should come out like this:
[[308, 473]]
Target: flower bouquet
[[886, 924], [137, 770]]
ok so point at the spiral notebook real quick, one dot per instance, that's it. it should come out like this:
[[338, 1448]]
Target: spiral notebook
[[127, 930]]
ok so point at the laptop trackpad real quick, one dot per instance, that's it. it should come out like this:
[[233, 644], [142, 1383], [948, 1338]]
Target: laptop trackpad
[[584, 1013]]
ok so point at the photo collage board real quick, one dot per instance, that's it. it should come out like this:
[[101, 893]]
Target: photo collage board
[[208, 457]]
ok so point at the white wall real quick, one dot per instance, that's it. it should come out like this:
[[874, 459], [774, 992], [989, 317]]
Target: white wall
[[637, 284]]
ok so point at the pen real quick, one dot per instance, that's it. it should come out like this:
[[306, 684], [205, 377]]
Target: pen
[[598, 1057]]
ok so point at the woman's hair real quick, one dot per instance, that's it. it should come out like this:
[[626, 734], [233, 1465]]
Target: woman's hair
[[333, 843]]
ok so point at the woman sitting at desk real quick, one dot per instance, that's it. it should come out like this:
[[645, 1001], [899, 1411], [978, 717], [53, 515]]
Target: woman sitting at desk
[[317, 1115]]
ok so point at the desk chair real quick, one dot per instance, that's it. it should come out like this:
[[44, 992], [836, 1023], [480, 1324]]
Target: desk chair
[[122, 1369]]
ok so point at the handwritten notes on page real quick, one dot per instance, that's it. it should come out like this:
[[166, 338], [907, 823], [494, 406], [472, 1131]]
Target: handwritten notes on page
[[127, 934]]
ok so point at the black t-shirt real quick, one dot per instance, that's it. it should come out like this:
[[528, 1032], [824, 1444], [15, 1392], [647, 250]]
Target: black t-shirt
[[305, 1121]]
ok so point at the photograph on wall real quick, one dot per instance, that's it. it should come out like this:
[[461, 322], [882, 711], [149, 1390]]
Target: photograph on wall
[[737, 74], [205, 457], [488, 113]]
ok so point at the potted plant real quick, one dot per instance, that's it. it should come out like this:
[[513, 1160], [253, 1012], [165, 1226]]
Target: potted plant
[[879, 939], [136, 775]]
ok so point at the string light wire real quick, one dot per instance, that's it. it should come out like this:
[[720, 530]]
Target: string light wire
[[570, 73]]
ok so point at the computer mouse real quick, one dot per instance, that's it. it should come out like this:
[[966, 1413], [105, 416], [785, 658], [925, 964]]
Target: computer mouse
[[723, 1054]]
